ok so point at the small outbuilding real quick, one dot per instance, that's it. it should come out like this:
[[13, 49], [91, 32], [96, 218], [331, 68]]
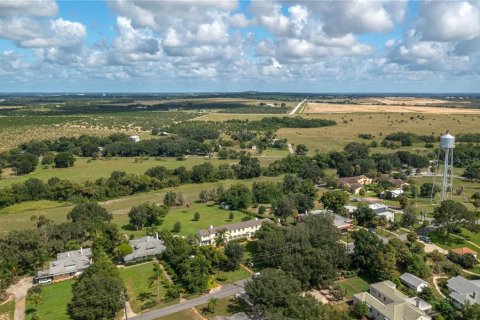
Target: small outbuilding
[[413, 282]]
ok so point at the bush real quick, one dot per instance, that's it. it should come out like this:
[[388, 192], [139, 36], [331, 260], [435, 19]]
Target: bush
[[64, 160], [177, 227]]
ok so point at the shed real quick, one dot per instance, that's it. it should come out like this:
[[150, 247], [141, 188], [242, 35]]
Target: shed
[[413, 282]]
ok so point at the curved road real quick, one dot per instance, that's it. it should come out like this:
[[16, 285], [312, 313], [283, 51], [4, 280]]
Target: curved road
[[226, 291]]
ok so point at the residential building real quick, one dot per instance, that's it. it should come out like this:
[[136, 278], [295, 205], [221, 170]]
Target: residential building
[[392, 194], [68, 264], [464, 250], [342, 223], [144, 248], [386, 302], [397, 183], [355, 184], [413, 282], [462, 290], [382, 210], [245, 229]]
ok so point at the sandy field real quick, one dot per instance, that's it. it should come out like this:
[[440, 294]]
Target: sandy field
[[410, 101], [356, 108]]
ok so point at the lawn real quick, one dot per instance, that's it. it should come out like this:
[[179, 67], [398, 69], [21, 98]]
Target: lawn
[[8, 310], [354, 285], [455, 242], [137, 280], [55, 299], [224, 277], [182, 315], [120, 208], [225, 307]]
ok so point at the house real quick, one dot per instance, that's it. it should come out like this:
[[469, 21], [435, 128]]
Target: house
[[397, 183], [413, 282], [462, 290], [342, 223], [355, 184], [144, 248], [382, 210], [392, 194], [245, 229], [351, 209], [386, 302], [68, 264], [135, 138], [464, 250]]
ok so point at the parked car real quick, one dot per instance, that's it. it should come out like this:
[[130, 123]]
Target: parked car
[[425, 239]]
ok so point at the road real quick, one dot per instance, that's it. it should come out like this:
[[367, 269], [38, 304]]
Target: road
[[297, 107], [19, 293], [226, 291]]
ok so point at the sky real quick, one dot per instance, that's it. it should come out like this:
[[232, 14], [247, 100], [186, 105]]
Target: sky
[[230, 46]]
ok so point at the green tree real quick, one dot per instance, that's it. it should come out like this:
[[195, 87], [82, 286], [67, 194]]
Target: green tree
[[170, 199], [301, 150], [24, 163], [472, 171], [177, 227], [123, 250], [364, 215], [284, 208], [334, 200], [147, 214], [427, 294], [90, 213], [426, 189], [64, 160], [196, 216], [360, 310], [234, 252], [248, 167], [412, 237], [471, 311], [98, 292], [238, 196], [476, 200], [451, 215], [409, 217], [212, 305]]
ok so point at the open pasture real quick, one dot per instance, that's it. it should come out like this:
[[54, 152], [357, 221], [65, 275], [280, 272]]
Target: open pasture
[[314, 107], [12, 218], [379, 125]]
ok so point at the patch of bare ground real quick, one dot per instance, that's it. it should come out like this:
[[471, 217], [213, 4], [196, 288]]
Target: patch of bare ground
[[314, 107]]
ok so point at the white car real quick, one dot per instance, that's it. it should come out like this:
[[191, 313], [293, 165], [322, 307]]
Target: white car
[[44, 281]]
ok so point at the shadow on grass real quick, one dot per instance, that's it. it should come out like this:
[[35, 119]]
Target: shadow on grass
[[128, 227], [442, 239]]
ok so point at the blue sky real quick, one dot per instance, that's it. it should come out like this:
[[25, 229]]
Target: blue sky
[[188, 46]]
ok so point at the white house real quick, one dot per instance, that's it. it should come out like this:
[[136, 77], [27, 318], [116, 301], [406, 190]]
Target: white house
[[135, 138], [245, 229], [413, 282], [384, 301], [382, 210], [462, 290]]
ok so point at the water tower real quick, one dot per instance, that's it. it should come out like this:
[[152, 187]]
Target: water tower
[[447, 144]]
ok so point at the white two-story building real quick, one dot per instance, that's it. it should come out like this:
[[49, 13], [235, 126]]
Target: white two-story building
[[232, 231]]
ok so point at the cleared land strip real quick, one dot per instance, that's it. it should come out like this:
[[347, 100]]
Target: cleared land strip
[[297, 107]]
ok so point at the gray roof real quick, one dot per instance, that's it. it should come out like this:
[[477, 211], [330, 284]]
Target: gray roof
[[233, 226], [144, 247], [67, 262], [412, 280], [463, 290]]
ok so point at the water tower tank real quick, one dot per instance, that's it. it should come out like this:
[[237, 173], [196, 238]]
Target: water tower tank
[[447, 141]]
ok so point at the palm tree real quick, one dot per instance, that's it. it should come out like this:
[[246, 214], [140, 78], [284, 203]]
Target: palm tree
[[156, 278]]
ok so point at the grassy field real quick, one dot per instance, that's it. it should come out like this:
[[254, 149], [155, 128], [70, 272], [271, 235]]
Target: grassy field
[[182, 315], [137, 280], [353, 285], [225, 307], [20, 219], [232, 276], [7, 310], [55, 299]]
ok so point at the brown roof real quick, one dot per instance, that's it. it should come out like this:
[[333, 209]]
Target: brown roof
[[464, 250], [351, 180]]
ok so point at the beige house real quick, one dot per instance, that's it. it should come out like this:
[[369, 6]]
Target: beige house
[[355, 184], [232, 231], [385, 302]]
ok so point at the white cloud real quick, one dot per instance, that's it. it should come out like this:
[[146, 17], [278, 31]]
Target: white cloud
[[449, 21], [238, 20], [38, 8]]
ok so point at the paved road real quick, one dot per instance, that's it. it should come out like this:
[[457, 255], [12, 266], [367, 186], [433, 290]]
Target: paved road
[[226, 291], [298, 106]]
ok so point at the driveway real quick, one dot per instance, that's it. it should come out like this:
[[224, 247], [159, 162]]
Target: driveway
[[226, 291], [19, 292]]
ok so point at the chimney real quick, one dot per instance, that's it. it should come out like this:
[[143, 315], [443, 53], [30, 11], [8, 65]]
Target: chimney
[[417, 303], [68, 254], [81, 251], [156, 235], [256, 219]]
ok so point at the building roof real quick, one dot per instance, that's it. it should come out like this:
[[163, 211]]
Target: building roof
[[67, 262], [464, 250], [351, 180], [412, 280], [350, 208], [233, 226], [144, 247], [463, 290], [398, 309], [419, 303]]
